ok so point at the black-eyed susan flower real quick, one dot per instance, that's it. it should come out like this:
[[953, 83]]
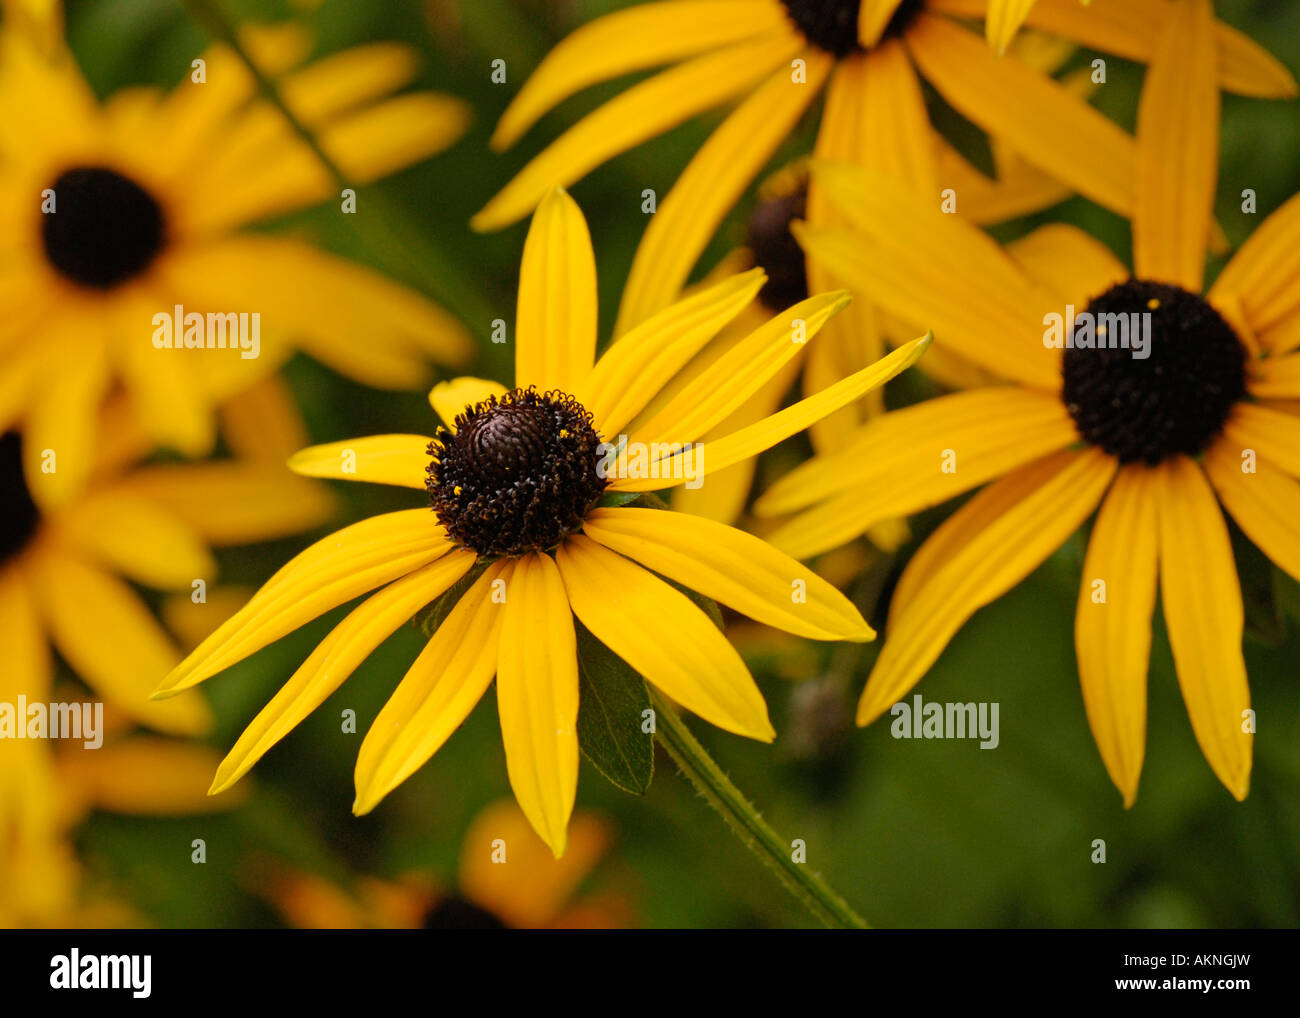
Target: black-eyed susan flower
[[119, 212], [870, 56], [516, 479], [1180, 395], [507, 879]]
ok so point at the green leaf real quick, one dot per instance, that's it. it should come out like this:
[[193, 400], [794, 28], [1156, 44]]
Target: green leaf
[[614, 499], [432, 615], [611, 704]]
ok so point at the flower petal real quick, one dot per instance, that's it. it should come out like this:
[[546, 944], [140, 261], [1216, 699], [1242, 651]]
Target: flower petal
[[1272, 433], [912, 459], [1265, 271], [378, 459], [331, 572], [1265, 502], [753, 439], [1178, 149], [639, 364], [448, 678], [742, 571], [138, 538], [1112, 636], [1073, 264], [660, 633], [555, 332], [996, 540], [537, 697], [711, 396], [338, 656], [1203, 612]]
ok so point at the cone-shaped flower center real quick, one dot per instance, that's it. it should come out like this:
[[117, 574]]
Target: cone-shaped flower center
[[1164, 392], [832, 25], [518, 475], [776, 251], [18, 513], [105, 228]]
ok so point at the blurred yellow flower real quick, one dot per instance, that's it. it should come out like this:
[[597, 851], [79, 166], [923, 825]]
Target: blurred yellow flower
[[119, 212], [518, 474]]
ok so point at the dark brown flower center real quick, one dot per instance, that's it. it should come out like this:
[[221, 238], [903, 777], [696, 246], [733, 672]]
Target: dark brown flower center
[[105, 228], [19, 516], [775, 249], [1168, 389], [832, 25], [519, 474]]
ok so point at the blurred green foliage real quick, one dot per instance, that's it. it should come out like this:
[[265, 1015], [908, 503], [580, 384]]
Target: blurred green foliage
[[914, 833]]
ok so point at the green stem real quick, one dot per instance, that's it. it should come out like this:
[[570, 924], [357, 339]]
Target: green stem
[[453, 286], [743, 819]]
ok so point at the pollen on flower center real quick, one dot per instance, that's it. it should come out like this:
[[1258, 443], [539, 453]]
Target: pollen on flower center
[[104, 229], [1170, 398], [18, 513], [775, 249], [832, 25], [519, 473]]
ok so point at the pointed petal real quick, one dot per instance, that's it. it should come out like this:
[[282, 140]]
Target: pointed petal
[[537, 697], [710, 397], [639, 364], [448, 678], [1112, 636], [647, 35], [755, 438], [331, 572], [379, 459], [1203, 612], [741, 571], [660, 633], [337, 657], [555, 331], [997, 539]]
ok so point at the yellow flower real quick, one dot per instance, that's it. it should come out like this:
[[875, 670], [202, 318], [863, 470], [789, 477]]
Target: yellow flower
[[517, 475], [870, 55], [117, 213], [507, 878], [1149, 423]]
